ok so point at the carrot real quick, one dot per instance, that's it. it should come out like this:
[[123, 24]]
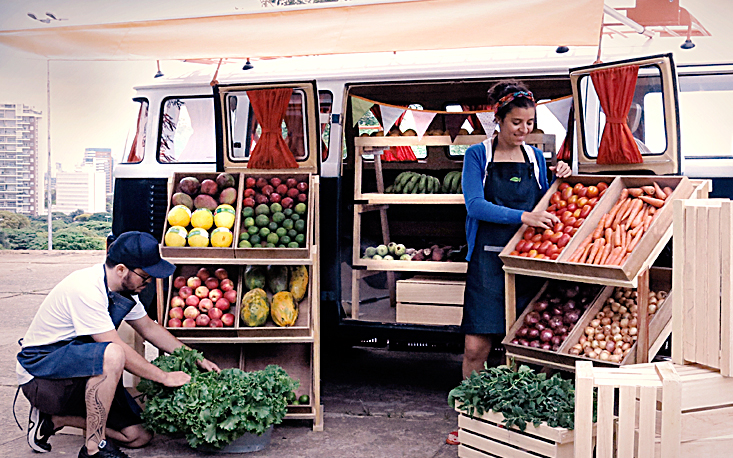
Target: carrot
[[659, 193], [624, 194], [579, 251], [593, 251], [636, 192], [617, 237], [634, 242], [649, 190], [620, 214], [615, 254], [584, 257], [606, 253], [609, 236], [612, 214], [652, 201], [668, 191], [635, 209], [639, 219], [624, 235], [638, 228], [599, 229], [622, 259], [599, 253], [648, 221]]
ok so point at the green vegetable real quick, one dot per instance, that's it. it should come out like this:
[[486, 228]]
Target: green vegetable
[[215, 408], [521, 397]]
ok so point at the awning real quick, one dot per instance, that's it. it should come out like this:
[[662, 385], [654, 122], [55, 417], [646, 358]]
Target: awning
[[401, 26]]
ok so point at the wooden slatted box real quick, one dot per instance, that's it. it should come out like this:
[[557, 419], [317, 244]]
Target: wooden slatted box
[[430, 300]]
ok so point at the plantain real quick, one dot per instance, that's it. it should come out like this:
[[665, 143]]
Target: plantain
[[447, 182], [398, 178], [406, 178], [436, 185], [429, 185], [389, 189], [398, 188], [414, 178], [421, 184], [455, 182], [408, 188]]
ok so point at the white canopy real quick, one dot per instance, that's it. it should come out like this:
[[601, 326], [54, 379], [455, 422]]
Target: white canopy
[[399, 26]]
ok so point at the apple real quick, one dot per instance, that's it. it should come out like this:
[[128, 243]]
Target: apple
[[248, 202], [250, 182], [221, 273], [212, 283], [185, 291], [302, 186], [179, 282], [267, 190], [202, 320], [261, 182], [215, 294], [177, 301], [261, 199], [275, 198], [176, 312], [206, 304], [281, 189], [302, 197], [202, 292], [231, 296], [249, 192], [174, 323], [227, 319], [203, 274], [276, 181], [222, 304], [216, 323], [293, 193], [193, 301], [287, 202], [191, 312], [189, 323], [215, 313], [291, 182], [226, 285], [194, 282]]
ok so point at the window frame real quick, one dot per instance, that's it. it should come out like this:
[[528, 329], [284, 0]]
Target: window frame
[[160, 128]]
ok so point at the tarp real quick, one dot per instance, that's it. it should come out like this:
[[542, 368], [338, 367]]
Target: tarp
[[399, 26]]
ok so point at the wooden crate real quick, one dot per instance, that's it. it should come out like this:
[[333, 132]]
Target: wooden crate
[[201, 252], [429, 314], [423, 289], [486, 436]]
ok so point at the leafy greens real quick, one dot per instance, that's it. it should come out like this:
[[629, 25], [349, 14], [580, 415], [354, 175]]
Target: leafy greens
[[215, 408]]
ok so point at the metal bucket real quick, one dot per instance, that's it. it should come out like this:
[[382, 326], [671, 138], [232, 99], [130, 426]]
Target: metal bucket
[[247, 443]]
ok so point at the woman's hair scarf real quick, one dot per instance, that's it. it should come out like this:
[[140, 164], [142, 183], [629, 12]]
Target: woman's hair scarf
[[507, 99]]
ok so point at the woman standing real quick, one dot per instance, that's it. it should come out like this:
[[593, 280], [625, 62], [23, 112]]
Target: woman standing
[[503, 179]]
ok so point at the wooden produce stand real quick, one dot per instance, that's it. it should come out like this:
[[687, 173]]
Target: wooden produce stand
[[634, 273], [295, 348]]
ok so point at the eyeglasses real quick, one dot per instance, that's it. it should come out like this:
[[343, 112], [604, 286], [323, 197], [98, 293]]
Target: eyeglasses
[[146, 279]]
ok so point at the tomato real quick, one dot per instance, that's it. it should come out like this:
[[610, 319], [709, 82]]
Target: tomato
[[585, 211], [572, 207], [552, 208], [553, 249], [556, 197], [576, 213], [524, 255], [568, 229], [563, 186], [593, 191], [565, 214], [528, 233], [536, 246], [592, 202], [571, 221], [520, 245], [540, 256], [573, 231], [578, 222], [547, 233], [543, 248], [563, 241], [602, 193], [558, 227], [567, 193], [582, 192], [582, 201], [514, 253], [577, 188], [532, 253], [556, 236], [562, 204], [573, 199], [536, 238], [555, 256], [602, 186]]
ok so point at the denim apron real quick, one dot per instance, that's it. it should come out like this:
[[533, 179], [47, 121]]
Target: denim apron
[[512, 185], [81, 356]]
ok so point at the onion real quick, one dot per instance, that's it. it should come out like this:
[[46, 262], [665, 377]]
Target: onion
[[524, 342], [533, 333], [562, 330], [569, 306], [545, 346], [532, 318], [534, 344], [572, 291], [557, 311], [571, 318], [522, 332], [541, 306], [555, 322], [540, 326], [546, 315], [556, 340], [555, 347], [555, 300], [546, 335], [515, 341]]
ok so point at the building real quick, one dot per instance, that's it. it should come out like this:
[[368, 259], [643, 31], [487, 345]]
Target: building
[[19, 186], [102, 157], [83, 189]]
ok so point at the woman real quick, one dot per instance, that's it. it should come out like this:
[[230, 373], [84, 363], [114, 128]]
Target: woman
[[503, 179]]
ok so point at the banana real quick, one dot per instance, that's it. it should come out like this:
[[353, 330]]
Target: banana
[[436, 185], [414, 178], [447, 182], [429, 185], [454, 183], [389, 189], [398, 189], [408, 188], [398, 178], [405, 178], [421, 184]]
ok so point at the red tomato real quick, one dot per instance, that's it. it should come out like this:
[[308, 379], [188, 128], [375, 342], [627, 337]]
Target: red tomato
[[568, 229], [536, 238], [547, 233], [602, 193], [527, 246], [514, 253], [553, 249], [573, 199], [563, 241], [576, 213], [555, 198], [578, 222], [528, 233], [536, 246], [602, 186], [524, 255], [578, 187], [582, 192], [552, 208], [555, 256], [567, 192], [562, 204], [582, 201], [558, 227], [540, 256], [592, 202], [563, 186], [520, 245], [585, 211], [593, 191], [532, 253], [556, 236], [572, 233], [572, 207], [571, 221]]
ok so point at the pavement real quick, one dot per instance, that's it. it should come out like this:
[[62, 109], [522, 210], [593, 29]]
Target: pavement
[[377, 403]]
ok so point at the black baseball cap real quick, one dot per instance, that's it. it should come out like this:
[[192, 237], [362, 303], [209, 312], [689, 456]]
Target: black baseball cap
[[140, 250]]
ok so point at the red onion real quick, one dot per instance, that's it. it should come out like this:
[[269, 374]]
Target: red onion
[[515, 341], [540, 326], [523, 342], [534, 344], [541, 306], [545, 346], [569, 306], [557, 311], [555, 322], [532, 318], [561, 330], [571, 318], [546, 335], [555, 347], [572, 291], [522, 332], [555, 300], [546, 315], [533, 333], [556, 340]]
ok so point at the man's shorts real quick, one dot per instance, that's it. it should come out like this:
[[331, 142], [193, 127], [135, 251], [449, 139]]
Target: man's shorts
[[65, 397]]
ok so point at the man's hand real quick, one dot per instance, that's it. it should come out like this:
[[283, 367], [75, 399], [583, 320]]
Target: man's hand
[[174, 379], [539, 218], [208, 366], [562, 170]]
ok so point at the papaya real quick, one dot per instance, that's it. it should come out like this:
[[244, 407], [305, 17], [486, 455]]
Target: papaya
[[277, 278], [298, 282], [284, 312], [254, 308], [254, 277]]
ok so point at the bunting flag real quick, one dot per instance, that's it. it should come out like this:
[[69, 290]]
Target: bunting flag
[[453, 123], [389, 116], [560, 108], [422, 121], [487, 121], [359, 107]]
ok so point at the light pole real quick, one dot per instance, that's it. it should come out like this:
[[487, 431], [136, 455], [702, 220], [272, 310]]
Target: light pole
[[48, 187]]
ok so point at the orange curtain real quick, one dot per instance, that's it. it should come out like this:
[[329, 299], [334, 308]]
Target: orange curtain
[[615, 88], [271, 151]]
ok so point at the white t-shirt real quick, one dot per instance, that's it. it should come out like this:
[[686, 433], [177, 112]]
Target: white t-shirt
[[77, 306]]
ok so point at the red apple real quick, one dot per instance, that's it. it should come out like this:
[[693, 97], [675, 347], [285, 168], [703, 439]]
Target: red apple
[[193, 301], [226, 285], [222, 304], [179, 282], [287, 202], [293, 193], [176, 312], [302, 186], [203, 274], [275, 198], [189, 323], [216, 323], [227, 319], [206, 304], [249, 192], [250, 182], [231, 296], [302, 197], [185, 291], [202, 292], [281, 189], [212, 283], [215, 313], [177, 301], [202, 320], [261, 182], [194, 282], [191, 312], [261, 199], [174, 323], [267, 190], [291, 182], [248, 202], [215, 294], [276, 181], [221, 273]]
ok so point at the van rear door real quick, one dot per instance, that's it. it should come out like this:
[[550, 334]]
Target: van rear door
[[653, 118]]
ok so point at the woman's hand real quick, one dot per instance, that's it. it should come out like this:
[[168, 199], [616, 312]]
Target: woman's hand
[[539, 218], [208, 366], [175, 379], [562, 170]]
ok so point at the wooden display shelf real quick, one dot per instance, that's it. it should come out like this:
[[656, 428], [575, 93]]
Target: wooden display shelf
[[413, 266], [429, 314], [280, 261], [425, 199]]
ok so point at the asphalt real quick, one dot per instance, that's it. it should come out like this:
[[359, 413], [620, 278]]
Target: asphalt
[[377, 403]]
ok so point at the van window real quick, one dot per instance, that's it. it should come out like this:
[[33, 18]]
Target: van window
[[325, 103], [369, 126], [245, 130], [645, 118], [459, 150], [136, 152], [187, 130], [704, 117]]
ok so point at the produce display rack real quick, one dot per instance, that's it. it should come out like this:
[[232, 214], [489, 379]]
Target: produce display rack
[[635, 273], [296, 349]]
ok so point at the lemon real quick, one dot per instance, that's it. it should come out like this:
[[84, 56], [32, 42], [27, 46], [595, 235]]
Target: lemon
[[202, 218], [198, 237], [221, 237], [224, 216], [179, 215], [176, 236]]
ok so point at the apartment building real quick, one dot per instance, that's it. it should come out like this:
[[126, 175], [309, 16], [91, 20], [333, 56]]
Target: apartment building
[[19, 186], [101, 158], [83, 189]]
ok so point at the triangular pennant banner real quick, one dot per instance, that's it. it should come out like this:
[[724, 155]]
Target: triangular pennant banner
[[561, 109], [422, 121], [453, 123], [486, 118], [358, 108], [389, 116]]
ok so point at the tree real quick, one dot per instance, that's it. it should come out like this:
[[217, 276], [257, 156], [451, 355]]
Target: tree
[[75, 240], [11, 220]]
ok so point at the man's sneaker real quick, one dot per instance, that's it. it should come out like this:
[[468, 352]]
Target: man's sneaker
[[106, 450], [40, 428]]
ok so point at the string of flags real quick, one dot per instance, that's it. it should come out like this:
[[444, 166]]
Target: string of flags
[[390, 114]]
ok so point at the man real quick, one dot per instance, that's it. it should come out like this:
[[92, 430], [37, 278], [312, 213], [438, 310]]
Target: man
[[72, 357]]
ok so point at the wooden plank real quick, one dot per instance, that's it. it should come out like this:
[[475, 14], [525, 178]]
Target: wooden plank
[[726, 292], [647, 418], [358, 169], [701, 285], [466, 452], [438, 315], [678, 281], [423, 199], [413, 266], [510, 301], [604, 442], [642, 301], [470, 428], [689, 291], [671, 410], [583, 409], [626, 422], [559, 435], [574, 278], [431, 291], [712, 298], [315, 287], [427, 140]]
